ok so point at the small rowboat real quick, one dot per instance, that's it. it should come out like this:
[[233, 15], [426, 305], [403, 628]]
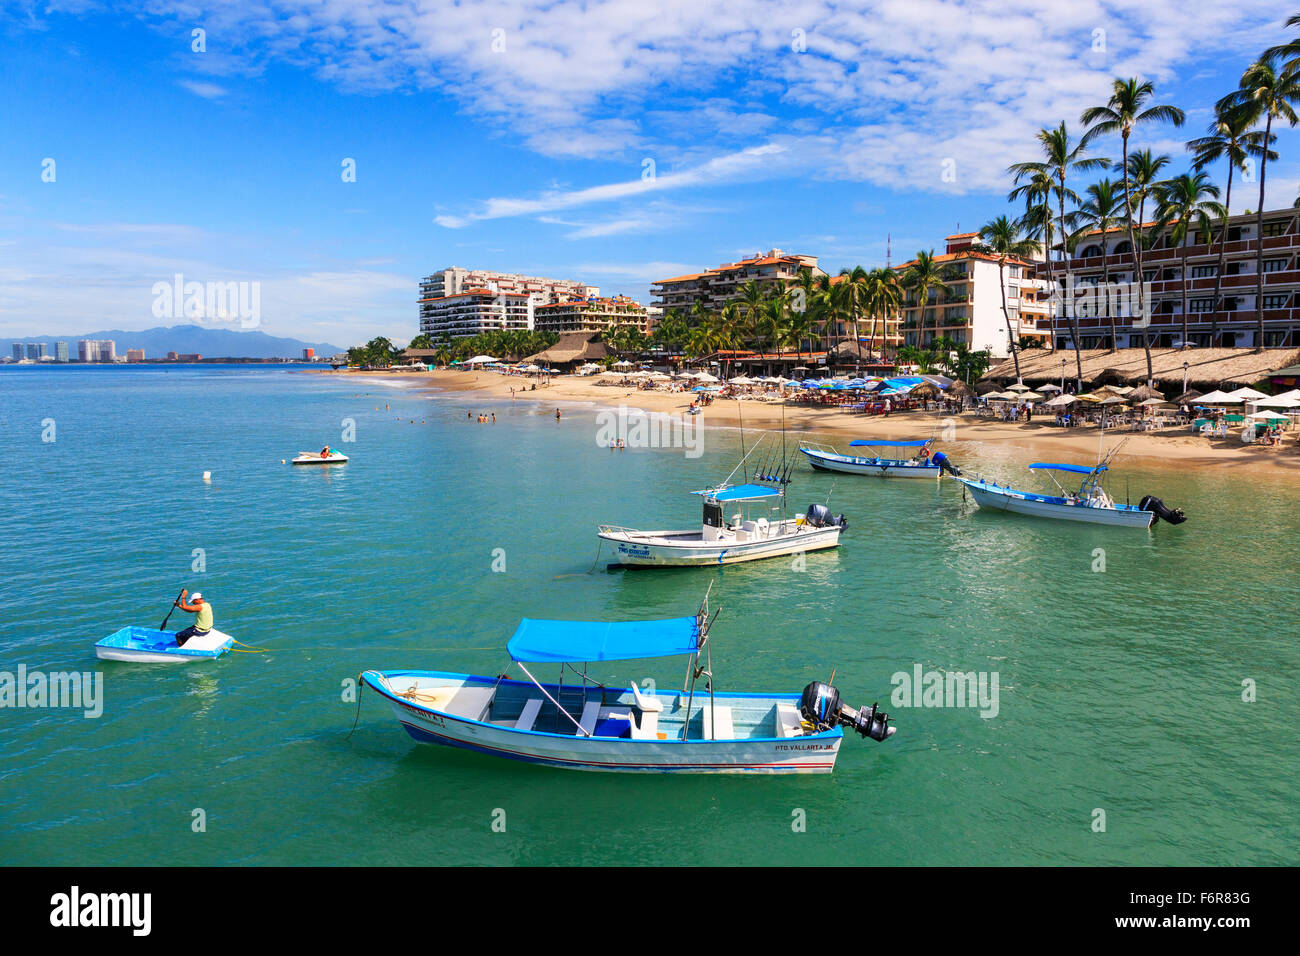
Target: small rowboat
[[924, 465], [316, 458], [589, 726], [144, 645]]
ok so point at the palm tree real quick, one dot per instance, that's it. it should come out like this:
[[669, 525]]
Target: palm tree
[[856, 299], [1186, 201], [1264, 93], [1228, 137], [1002, 238], [885, 298], [1099, 213], [752, 300], [1060, 159], [922, 276], [1125, 110]]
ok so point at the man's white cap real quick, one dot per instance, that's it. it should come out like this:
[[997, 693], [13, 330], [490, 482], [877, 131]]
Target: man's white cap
[[196, 596]]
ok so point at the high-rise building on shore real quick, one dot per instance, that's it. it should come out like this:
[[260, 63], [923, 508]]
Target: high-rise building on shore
[[37, 351], [716, 287], [970, 312], [87, 350], [107, 350], [60, 351], [590, 315], [457, 302], [18, 351], [135, 355], [1108, 259]]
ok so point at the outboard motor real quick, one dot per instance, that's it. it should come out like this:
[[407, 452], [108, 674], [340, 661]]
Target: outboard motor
[[1157, 507], [819, 516], [945, 464], [820, 705]]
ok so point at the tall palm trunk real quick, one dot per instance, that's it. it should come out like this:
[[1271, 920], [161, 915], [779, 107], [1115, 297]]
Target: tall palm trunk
[[1105, 281], [1223, 249], [1259, 226], [1183, 285], [1073, 319], [1137, 259]]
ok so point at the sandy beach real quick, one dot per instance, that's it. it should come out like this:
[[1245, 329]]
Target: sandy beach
[[1175, 447]]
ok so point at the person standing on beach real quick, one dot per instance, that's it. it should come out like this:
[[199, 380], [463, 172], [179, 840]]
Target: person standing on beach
[[202, 623]]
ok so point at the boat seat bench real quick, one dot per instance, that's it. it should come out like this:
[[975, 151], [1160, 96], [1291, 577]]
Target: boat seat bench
[[528, 716], [788, 721], [725, 730]]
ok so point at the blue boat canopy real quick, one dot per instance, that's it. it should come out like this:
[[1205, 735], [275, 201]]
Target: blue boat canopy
[[739, 493], [573, 641], [889, 444], [1077, 469]]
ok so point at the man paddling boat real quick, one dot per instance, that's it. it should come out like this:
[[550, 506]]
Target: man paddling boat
[[202, 623]]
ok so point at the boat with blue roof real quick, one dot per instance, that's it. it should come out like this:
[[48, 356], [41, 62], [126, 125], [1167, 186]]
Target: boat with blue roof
[[582, 724], [1090, 502]]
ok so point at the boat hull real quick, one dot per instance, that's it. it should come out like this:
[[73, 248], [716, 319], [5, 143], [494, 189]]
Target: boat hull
[[658, 550], [142, 645], [813, 753], [998, 498], [311, 458], [881, 468]]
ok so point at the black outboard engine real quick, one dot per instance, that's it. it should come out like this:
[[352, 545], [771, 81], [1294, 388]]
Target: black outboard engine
[[1157, 507], [819, 516], [945, 463], [821, 706]]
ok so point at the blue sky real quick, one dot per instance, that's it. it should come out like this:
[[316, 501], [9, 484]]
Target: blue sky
[[516, 136]]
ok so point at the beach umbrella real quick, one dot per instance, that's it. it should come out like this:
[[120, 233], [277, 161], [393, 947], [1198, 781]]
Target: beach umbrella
[[481, 360], [1062, 400], [1271, 416], [1219, 398], [1294, 393], [960, 389], [706, 377], [1248, 394], [1049, 388], [1187, 397], [1031, 397], [1153, 403], [1279, 401], [1111, 400], [740, 380], [1018, 387]]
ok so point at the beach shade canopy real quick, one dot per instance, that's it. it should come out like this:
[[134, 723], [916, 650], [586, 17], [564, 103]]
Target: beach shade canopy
[[1050, 388], [740, 380], [1217, 397], [959, 389], [1153, 403], [1112, 400], [624, 363], [1018, 387], [573, 641], [1279, 401], [1248, 394], [1061, 401], [1187, 397], [1294, 393], [1142, 393], [1031, 397], [1270, 416], [481, 360], [706, 377]]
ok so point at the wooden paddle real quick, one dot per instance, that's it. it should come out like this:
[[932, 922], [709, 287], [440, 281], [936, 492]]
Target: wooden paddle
[[163, 625]]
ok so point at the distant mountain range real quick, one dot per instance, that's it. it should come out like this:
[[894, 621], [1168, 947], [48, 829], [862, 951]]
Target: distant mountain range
[[187, 339]]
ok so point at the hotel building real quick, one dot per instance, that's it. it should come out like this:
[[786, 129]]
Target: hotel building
[[590, 315], [1162, 266], [970, 312], [457, 302], [60, 351], [716, 287], [135, 355]]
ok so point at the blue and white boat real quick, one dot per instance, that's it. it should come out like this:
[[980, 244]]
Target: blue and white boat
[[923, 464], [1090, 502], [586, 725], [146, 645]]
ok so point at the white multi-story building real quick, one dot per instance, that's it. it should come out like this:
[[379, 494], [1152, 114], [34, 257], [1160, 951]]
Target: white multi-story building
[[458, 302], [107, 350], [970, 313], [88, 350]]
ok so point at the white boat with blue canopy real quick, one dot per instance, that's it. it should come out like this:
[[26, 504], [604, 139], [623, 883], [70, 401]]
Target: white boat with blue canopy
[[147, 645], [1090, 502], [924, 462], [586, 725], [743, 522]]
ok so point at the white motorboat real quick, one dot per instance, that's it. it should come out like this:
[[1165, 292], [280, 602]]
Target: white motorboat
[[923, 464], [316, 458], [586, 725]]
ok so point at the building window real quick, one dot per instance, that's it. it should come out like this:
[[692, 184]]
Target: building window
[[1200, 305], [1275, 339], [1274, 265], [1276, 301], [1090, 251], [1200, 272], [1277, 227]]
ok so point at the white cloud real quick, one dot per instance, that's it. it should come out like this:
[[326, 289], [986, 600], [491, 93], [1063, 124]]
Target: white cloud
[[209, 91]]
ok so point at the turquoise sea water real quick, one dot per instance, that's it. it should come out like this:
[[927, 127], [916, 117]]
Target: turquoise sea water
[[1119, 690]]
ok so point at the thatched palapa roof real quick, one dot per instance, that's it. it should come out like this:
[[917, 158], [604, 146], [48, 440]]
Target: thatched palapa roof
[[1213, 367], [572, 347]]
